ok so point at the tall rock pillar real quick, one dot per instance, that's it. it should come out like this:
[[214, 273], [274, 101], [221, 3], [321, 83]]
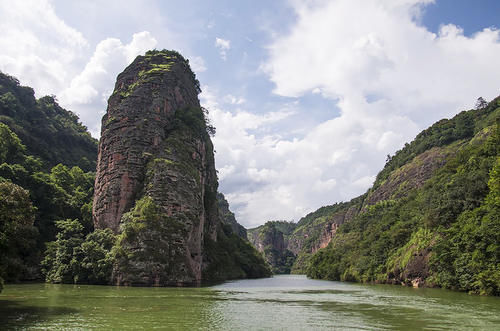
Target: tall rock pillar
[[156, 182]]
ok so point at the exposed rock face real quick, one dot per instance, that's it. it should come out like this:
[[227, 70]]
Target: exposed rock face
[[271, 239], [410, 176], [227, 217], [268, 237], [155, 149], [415, 272], [315, 232]]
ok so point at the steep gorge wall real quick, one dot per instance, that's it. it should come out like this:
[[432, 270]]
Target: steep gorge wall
[[272, 241]]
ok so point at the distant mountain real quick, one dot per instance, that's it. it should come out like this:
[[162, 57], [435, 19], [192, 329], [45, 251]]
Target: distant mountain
[[272, 240]]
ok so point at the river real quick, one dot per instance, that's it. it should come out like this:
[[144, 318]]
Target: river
[[288, 302]]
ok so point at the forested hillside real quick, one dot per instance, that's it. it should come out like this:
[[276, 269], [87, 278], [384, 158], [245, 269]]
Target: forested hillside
[[432, 217], [47, 159]]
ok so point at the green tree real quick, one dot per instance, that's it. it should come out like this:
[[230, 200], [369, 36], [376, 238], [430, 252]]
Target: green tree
[[17, 233], [58, 264], [93, 260], [73, 259], [11, 148]]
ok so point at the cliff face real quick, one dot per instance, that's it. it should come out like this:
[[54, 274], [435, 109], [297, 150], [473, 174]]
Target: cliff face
[[227, 217], [156, 182], [272, 240]]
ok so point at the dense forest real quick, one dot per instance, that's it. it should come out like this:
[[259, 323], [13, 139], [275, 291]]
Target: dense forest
[[46, 181]]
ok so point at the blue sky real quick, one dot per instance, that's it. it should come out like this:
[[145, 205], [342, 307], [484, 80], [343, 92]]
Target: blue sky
[[308, 97]]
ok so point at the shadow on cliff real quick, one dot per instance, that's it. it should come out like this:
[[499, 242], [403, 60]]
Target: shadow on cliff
[[17, 316]]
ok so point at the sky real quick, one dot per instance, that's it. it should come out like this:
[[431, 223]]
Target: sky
[[308, 97]]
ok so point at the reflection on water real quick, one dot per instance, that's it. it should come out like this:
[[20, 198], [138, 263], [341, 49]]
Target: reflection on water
[[281, 302]]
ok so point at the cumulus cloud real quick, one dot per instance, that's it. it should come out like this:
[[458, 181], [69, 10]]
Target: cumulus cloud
[[46, 53], [197, 64], [231, 99], [88, 91], [223, 45], [389, 76], [37, 46]]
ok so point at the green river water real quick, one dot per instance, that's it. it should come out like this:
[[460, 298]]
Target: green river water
[[278, 303]]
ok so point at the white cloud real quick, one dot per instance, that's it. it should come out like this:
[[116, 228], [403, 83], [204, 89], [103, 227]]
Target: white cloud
[[390, 78], [88, 91], [197, 64], [231, 99], [37, 46], [44, 52], [223, 45]]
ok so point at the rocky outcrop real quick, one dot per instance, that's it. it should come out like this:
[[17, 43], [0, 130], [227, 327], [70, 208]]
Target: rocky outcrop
[[415, 272], [136, 130], [271, 239], [410, 176], [156, 182], [227, 217]]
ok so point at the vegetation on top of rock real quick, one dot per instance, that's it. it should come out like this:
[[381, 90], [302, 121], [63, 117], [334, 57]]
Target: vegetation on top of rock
[[174, 54]]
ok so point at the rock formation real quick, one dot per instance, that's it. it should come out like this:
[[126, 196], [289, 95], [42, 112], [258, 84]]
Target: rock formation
[[156, 182], [227, 217], [272, 240]]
